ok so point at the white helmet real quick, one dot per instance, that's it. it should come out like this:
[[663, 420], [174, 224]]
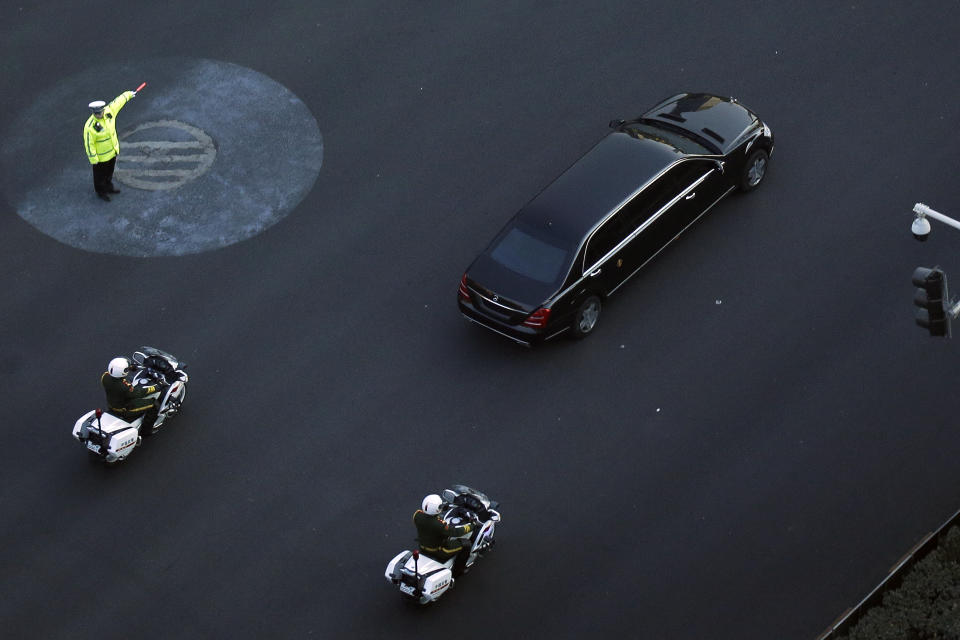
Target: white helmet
[[118, 367], [431, 504]]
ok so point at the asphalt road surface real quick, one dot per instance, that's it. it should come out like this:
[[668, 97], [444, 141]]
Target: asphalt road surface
[[754, 434]]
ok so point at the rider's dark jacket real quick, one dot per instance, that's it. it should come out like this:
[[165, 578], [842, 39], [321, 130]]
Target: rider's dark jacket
[[436, 537], [124, 399]]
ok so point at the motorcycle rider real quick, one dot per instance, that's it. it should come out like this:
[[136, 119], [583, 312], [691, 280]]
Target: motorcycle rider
[[438, 539], [125, 400]]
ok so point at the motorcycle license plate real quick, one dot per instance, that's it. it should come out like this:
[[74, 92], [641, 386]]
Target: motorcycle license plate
[[407, 589], [93, 447]]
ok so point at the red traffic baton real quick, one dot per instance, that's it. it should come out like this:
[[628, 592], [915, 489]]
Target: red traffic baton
[[140, 87]]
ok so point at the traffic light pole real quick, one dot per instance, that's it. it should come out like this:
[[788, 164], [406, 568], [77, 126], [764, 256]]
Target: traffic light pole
[[923, 211]]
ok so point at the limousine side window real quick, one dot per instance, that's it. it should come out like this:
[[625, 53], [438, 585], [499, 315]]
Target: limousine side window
[[644, 204], [668, 187], [606, 238]]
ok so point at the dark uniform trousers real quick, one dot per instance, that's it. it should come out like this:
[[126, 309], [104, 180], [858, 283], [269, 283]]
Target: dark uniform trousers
[[103, 175]]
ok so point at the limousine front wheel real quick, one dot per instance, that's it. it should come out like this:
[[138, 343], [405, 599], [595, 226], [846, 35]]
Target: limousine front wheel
[[586, 317], [754, 170]]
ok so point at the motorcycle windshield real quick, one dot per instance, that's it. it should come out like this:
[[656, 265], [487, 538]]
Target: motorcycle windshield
[[462, 489], [141, 354]]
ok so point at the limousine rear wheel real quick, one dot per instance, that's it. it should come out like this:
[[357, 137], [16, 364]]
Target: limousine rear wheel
[[754, 170], [586, 317]]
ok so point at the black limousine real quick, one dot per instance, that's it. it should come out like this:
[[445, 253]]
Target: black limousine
[[578, 241]]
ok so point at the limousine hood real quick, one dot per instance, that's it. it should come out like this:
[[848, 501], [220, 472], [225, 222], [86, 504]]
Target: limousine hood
[[718, 119]]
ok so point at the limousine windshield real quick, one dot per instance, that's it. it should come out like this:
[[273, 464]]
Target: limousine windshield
[[673, 136]]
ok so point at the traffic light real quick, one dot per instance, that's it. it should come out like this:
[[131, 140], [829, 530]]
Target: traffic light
[[930, 298]]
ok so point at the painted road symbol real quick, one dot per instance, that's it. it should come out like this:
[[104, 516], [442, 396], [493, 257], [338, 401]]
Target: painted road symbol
[[163, 154]]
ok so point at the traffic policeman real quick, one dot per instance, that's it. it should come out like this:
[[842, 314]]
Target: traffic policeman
[[438, 539], [101, 142], [125, 400]]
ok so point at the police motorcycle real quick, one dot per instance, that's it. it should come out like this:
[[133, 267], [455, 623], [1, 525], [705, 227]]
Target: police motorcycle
[[112, 438], [424, 579]]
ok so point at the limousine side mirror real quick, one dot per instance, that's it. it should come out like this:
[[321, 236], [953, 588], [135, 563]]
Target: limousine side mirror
[[616, 124]]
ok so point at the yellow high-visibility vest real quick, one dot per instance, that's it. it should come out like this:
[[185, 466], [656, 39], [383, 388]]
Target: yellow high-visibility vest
[[100, 134]]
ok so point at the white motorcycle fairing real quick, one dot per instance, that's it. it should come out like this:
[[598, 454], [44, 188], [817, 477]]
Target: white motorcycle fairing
[[424, 579]]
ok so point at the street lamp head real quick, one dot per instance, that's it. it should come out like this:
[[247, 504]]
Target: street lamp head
[[920, 228]]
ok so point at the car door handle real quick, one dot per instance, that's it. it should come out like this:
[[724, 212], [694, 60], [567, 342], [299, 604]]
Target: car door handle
[[691, 196], [594, 274]]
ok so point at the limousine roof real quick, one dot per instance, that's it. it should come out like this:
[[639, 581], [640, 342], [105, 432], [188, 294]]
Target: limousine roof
[[599, 181]]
